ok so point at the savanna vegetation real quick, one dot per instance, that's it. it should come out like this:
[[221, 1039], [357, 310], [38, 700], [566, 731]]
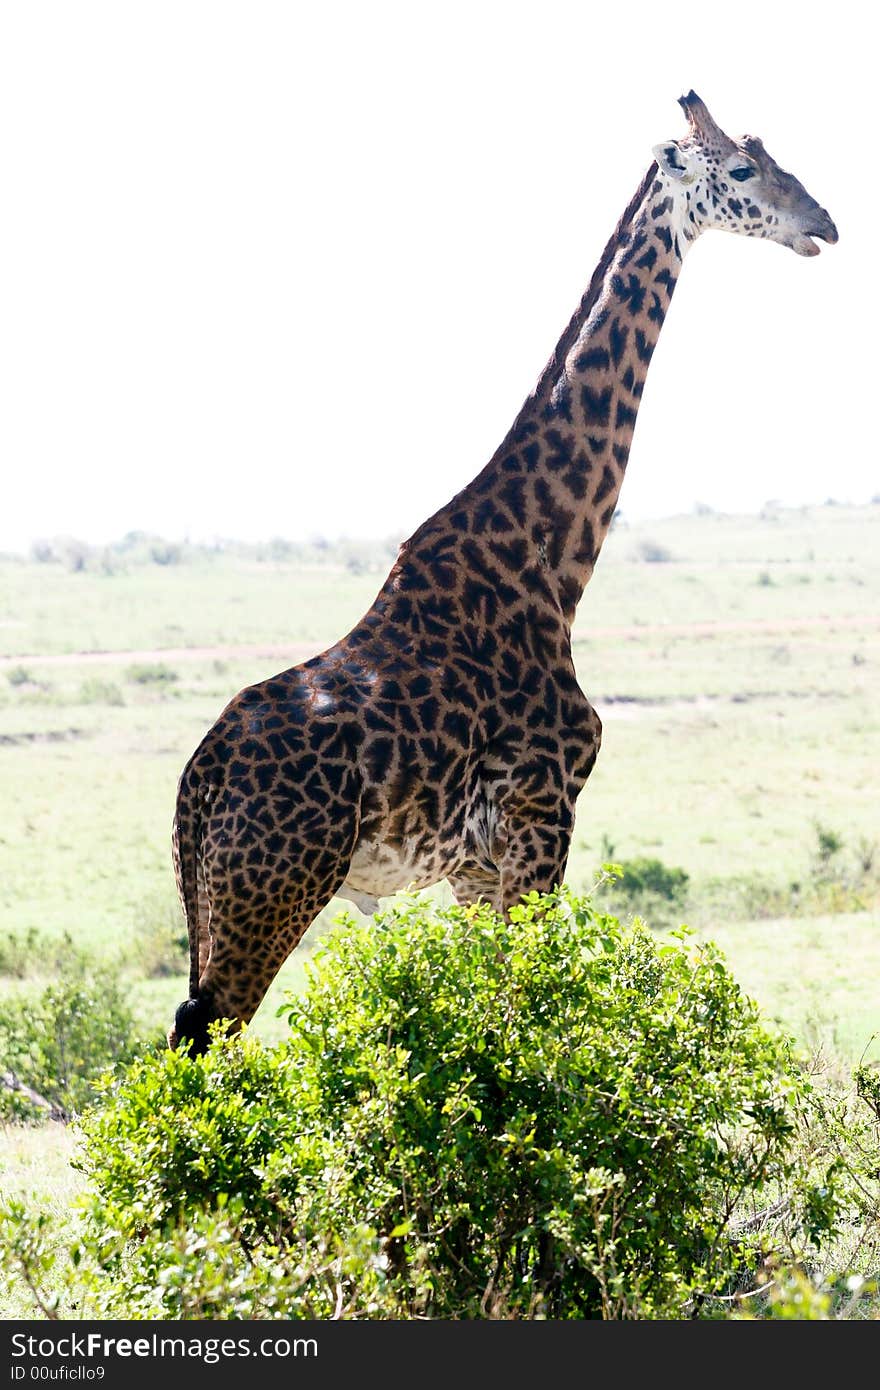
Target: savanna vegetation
[[733, 661]]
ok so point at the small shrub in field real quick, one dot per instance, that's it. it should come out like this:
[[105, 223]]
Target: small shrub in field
[[471, 1117], [640, 876], [74, 554], [835, 1187], [151, 673], [22, 954], [109, 563], [98, 692], [35, 953], [166, 553], [58, 1041], [653, 553], [19, 675], [654, 890], [163, 944], [828, 844]]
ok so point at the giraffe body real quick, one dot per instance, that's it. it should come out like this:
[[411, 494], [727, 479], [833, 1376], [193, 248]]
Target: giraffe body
[[446, 735]]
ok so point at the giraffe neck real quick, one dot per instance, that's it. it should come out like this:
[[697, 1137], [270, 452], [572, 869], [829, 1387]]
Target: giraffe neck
[[556, 478]]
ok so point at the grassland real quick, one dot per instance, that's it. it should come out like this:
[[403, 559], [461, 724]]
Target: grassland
[[734, 662]]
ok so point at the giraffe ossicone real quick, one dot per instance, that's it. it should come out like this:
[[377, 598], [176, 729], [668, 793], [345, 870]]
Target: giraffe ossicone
[[446, 735]]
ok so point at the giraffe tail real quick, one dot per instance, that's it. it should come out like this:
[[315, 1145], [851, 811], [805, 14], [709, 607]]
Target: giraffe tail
[[193, 1015]]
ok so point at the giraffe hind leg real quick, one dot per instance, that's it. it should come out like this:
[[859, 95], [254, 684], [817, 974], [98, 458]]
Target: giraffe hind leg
[[473, 881], [249, 931], [240, 968], [204, 920], [530, 847], [535, 856]]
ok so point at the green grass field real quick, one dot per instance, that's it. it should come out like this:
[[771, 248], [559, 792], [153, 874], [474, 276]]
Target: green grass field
[[735, 671], [733, 660]]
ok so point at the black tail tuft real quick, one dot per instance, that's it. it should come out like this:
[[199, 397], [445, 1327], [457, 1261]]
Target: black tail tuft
[[191, 1022]]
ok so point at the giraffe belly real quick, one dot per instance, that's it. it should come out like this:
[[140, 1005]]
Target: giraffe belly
[[377, 869]]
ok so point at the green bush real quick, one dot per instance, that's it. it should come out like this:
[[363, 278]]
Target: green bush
[[641, 876], [97, 692], [163, 943], [21, 954], [166, 553], [58, 1041], [554, 1115], [653, 553], [199, 1269], [655, 891], [151, 673], [833, 1194]]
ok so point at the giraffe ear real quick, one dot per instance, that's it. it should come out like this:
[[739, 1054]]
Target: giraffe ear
[[675, 162]]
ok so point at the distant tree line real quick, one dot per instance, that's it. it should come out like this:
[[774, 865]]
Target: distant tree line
[[146, 548]]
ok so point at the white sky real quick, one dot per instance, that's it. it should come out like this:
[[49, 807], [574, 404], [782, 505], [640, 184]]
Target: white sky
[[290, 269]]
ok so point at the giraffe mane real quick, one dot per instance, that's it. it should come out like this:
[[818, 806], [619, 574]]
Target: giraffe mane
[[553, 367], [549, 375]]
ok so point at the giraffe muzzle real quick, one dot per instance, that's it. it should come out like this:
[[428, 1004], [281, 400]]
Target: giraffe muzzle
[[820, 225]]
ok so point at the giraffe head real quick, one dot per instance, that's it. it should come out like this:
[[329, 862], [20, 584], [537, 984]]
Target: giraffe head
[[737, 186]]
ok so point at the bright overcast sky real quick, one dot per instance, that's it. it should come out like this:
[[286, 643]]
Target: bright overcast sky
[[290, 269]]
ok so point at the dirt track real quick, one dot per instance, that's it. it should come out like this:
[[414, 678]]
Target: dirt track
[[296, 651], [300, 651]]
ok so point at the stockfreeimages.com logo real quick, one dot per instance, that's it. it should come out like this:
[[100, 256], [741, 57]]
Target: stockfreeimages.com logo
[[94, 1346]]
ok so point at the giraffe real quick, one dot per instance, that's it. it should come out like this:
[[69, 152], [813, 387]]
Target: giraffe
[[446, 735]]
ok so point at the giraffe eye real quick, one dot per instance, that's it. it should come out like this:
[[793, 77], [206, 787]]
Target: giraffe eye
[[741, 174]]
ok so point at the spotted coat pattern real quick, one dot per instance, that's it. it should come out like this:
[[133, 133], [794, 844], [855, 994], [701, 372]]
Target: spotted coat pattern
[[446, 735]]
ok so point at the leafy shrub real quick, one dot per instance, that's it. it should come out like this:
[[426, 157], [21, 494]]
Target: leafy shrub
[[58, 1042], [37, 953], [555, 1114], [74, 554], [20, 953], [838, 877], [829, 843], [163, 943], [839, 1143], [166, 553], [640, 876], [151, 673], [835, 1188], [654, 890], [19, 675], [97, 692], [27, 1258], [202, 1269], [653, 553]]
